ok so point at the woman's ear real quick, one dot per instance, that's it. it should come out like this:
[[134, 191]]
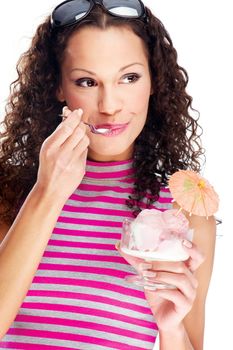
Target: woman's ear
[[60, 94]]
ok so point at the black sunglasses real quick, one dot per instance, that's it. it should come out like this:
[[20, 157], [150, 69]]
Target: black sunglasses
[[72, 11]]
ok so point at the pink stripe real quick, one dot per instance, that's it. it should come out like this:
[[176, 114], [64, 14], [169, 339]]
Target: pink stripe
[[109, 175], [104, 199], [101, 246], [30, 346], [164, 200], [113, 163], [83, 269], [90, 284], [86, 325], [88, 311], [100, 211], [73, 337], [100, 188], [96, 234], [165, 189], [79, 221], [89, 257], [93, 298]]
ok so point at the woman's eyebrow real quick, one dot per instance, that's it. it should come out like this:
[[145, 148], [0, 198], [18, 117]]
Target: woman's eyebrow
[[92, 73]]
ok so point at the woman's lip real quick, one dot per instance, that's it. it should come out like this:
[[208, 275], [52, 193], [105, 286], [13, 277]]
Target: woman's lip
[[110, 126], [116, 131]]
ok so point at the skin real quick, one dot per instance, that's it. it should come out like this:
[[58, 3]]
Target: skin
[[109, 94], [117, 94]]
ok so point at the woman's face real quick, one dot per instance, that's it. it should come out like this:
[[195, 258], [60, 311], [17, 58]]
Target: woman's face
[[106, 74]]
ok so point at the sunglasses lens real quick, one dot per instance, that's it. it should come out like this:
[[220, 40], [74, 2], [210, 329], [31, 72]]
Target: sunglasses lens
[[69, 12], [124, 8]]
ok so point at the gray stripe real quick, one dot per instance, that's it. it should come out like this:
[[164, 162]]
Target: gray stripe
[[55, 342], [85, 239], [88, 332], [90, 228], [97, 203], [89, 318], [89, 263], [90, 216], [80, 250], [119, 183], [108, 168], [86, 276], [113, 206], [91, 291]]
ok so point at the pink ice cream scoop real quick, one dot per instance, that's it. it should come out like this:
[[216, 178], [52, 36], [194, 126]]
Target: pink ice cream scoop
[[154, 230]]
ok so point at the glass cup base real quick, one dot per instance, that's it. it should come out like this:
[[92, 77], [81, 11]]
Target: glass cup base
[[147, 284]]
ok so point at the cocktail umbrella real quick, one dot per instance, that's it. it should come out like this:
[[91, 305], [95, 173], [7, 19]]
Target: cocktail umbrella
[[193, 193]]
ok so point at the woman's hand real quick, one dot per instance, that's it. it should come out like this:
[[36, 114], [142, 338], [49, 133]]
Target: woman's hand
[[63, 157], [170, 306]]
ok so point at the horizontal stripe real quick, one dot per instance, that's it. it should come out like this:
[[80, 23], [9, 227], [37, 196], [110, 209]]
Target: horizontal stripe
[[106, 187], [73, 249], [86, 325], [86, 289], [74, 337], [83, 233], [98, 211], [89, 311], [82, 245], [89, 257], [127, 268], [109, 175], [96, 197], [83, 269], [90, 222], [69, 315], [92, 298], [91, 284], [83, 239], [31, 346]]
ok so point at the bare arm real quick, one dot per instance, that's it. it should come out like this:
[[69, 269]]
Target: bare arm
[[21, 251], [62, 166], [190, 335]]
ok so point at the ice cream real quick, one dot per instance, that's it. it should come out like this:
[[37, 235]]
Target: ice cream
[[158, 235]]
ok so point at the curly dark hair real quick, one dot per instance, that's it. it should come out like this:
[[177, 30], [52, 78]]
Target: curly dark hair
[[169, 141]]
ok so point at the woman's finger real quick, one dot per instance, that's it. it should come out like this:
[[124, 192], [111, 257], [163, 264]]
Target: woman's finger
[[64, 130], [176, 297], [196, 258], [186, 284]]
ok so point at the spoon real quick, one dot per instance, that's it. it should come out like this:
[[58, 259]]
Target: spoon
[[93, 129]]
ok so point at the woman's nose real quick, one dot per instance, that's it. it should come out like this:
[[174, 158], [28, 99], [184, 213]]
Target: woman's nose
[[109, 102]]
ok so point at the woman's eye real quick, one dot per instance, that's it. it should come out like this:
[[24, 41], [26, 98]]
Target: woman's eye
[[131, 78], [85, 82]]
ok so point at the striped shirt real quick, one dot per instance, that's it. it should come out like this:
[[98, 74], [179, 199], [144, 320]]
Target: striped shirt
[[78, 298]]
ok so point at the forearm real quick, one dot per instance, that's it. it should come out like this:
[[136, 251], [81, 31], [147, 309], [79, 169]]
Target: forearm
[[21, 251], [175, 339]]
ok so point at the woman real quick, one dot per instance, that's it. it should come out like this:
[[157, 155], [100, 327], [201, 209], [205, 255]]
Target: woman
[[65, 190]]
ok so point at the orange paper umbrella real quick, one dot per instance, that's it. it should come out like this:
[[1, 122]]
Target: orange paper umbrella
[[193, 193]]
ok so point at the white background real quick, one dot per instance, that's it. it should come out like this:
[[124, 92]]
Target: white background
[[201, 33]]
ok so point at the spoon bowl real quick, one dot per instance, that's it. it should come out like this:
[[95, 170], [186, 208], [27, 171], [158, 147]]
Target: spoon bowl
[[93, 129]]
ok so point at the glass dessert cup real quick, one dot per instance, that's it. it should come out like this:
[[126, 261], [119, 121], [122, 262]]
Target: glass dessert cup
[[138, 243]]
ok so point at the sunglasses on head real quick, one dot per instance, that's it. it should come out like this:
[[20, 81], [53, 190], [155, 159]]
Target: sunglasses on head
[[73, 11]]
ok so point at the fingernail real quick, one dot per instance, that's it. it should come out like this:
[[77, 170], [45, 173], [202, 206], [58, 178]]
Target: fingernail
[[144, 266], [64, 109], [186, 243], [117, 245], [148, 274], [80, 111]]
